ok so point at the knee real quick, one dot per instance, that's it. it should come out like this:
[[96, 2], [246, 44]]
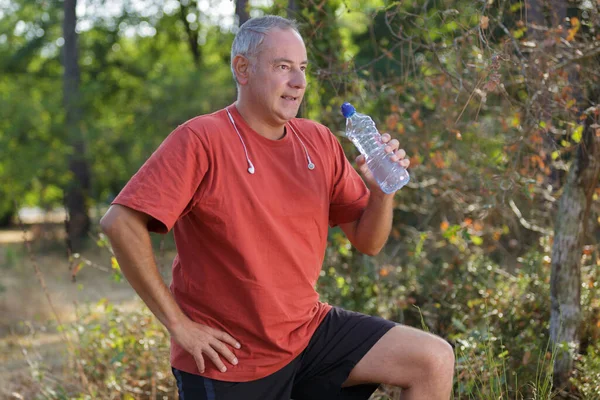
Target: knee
[[440, 359]]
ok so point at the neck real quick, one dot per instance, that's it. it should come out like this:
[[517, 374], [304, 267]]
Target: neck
[[256, 122]]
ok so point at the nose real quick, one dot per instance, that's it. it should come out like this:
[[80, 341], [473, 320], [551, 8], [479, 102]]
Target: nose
[[298, 79]]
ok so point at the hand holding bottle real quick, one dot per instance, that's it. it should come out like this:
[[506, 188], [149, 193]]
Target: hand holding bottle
[[381, 161]]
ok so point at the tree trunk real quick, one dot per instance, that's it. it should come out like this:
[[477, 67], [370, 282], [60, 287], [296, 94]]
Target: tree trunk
[[292, 9], [535, 16], [241, 10], [320, 29], [78, 223], [191, 6], [565, 283]]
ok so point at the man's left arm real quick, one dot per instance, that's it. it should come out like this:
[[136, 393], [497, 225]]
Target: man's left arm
[[369, 233]]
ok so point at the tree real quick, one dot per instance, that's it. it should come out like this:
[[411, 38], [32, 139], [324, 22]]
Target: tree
[[321, 32], [548, 26], [241, 11], [292, 9], [190, 8], [571, 226], [76, 195]]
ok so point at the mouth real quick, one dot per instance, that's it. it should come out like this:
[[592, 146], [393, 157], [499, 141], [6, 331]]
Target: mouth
[[290, 98]]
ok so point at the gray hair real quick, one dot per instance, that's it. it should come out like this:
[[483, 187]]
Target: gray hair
[[252, 33]]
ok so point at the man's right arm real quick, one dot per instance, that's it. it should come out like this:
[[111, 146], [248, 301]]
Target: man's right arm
[[128, 234]]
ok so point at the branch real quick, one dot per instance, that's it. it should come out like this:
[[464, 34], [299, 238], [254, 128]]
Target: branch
[[513, 40], [592, 53], [526, 224]]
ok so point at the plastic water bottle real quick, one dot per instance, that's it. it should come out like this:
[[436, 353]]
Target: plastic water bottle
[[361, 130]]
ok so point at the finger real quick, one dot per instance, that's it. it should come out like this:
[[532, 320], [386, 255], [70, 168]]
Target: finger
[[225, 337], [200, 363], [214, 357], [386, 137], [221, 348], [360, 160], [364, 169], [398, 155], [405, 163], [392, 146]]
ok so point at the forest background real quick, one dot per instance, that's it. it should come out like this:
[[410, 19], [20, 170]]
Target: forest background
[[495, 239]]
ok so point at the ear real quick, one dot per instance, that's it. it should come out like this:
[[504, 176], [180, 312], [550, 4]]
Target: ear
[[241, 67]]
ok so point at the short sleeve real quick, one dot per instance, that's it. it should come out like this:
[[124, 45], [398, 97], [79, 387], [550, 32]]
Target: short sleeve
[[350, 195], [167, 182]]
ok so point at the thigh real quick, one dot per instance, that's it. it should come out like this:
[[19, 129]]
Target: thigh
[[277, 386], [403, 356], [340, 342]]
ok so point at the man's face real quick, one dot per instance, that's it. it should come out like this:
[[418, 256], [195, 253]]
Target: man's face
[[277, 78]]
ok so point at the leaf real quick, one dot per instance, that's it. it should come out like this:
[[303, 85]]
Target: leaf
[[76, 270], [114, 264], [444, 226], [415, 116], [484, 22], [575, 28], [476, 240], [422, 237], [392, 122], [438, 160], [526, 357], [459, 325], [451, 231], [515, 121], [577, 134]]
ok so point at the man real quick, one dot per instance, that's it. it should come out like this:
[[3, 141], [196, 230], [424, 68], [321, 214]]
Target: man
[[250, 191]]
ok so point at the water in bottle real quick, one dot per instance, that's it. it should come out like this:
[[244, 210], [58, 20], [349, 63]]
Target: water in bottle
[[361, 130]]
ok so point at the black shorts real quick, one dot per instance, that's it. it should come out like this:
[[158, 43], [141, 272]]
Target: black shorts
[[339, 343]]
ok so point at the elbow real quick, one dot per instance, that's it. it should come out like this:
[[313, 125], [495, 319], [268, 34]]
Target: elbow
[[106, 224], [370, 247], [109, 221], [103, 223], [371, 251], [120, 219], [108, 229]]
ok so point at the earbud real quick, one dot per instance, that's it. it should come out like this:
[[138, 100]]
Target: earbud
[[311, 166]]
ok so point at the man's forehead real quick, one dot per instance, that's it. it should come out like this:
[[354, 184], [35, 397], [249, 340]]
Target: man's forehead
[[275, 52], [287, 43], [277, 60]]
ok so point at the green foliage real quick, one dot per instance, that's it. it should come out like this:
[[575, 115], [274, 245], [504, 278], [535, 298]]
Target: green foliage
[[587, 373], [497, 321], [485, 108], [124, 354]]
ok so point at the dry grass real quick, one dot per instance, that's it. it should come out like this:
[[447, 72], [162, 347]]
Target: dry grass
[[27, 324]]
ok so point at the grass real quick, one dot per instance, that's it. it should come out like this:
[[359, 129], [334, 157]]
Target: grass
[[107, 359]]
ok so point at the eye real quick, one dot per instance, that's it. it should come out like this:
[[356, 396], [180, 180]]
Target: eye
[[284, 67], [303, 68]]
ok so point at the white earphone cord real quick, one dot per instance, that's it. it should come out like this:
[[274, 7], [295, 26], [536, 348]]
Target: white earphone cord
[[311, 166], [251, 169], [250, 166]]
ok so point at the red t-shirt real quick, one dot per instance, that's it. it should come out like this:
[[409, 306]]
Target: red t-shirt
[[250, 246]]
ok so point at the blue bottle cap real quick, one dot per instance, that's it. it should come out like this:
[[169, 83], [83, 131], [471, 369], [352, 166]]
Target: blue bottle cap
[[348, 110]]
